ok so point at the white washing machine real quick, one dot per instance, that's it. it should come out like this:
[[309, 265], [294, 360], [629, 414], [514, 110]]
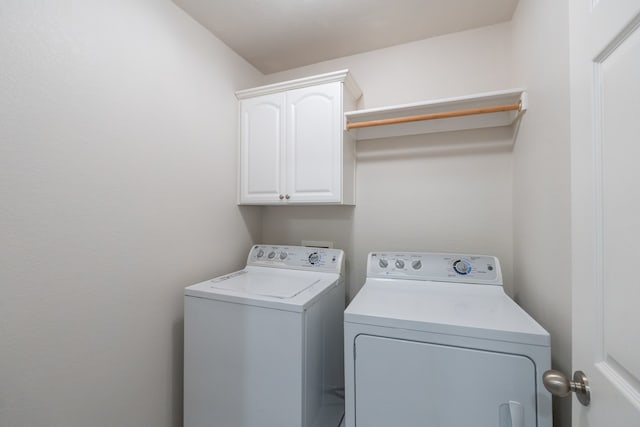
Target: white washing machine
[[433, 340], [264, 345]]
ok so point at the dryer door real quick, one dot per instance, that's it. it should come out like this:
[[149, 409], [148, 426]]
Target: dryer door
[[408, 383]]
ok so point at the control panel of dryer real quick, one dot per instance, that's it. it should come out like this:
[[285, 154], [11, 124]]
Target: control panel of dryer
[[439, 267], [297, 258]]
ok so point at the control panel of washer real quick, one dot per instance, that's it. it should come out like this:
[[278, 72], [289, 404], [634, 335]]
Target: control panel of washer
[[461, 268], [297, 257]]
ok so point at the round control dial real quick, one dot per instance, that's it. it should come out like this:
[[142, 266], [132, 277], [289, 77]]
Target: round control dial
[[314, 258], [416, 265], [260, 253], [399, 263], [271, 255], [462, 267], [283, 255], [383, 263]]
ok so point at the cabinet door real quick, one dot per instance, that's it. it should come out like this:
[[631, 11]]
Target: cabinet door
[[314, 143], [262, 136]]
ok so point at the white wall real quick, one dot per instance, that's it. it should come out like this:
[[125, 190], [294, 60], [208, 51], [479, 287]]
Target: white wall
[[117, 154], [542, 240], [439, 192]]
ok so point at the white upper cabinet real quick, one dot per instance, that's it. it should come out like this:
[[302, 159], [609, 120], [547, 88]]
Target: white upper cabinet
[[293, 147]]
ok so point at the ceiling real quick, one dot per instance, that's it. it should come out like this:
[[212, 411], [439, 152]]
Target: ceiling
[[277, 35]]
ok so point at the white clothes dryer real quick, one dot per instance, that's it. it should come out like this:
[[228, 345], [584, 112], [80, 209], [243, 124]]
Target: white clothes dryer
[[264, 346], [433, 340]]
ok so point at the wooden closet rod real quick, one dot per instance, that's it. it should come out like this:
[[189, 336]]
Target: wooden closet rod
[[442, 115]]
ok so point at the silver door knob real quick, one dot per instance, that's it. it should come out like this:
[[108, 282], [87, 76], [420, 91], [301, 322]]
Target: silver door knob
[[560, 385]]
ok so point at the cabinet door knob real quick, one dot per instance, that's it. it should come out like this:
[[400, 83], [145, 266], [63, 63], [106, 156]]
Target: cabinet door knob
[[288, 197], [281, 197]]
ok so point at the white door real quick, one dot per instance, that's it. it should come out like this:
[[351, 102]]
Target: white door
[[314, 143], [605, 144], [262, 133]]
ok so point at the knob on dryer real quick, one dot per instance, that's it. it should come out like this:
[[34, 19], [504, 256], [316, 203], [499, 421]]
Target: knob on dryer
[[314, 258], [461, 266], [383, 263]]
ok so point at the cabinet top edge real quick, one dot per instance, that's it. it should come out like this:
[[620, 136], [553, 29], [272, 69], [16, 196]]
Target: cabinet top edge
[[336, 76]]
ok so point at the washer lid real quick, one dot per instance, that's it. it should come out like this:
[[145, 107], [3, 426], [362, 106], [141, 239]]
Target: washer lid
[[265, 283], [478, 311], [291, 290]]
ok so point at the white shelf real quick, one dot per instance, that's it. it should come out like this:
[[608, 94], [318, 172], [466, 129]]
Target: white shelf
[[475, 121]]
